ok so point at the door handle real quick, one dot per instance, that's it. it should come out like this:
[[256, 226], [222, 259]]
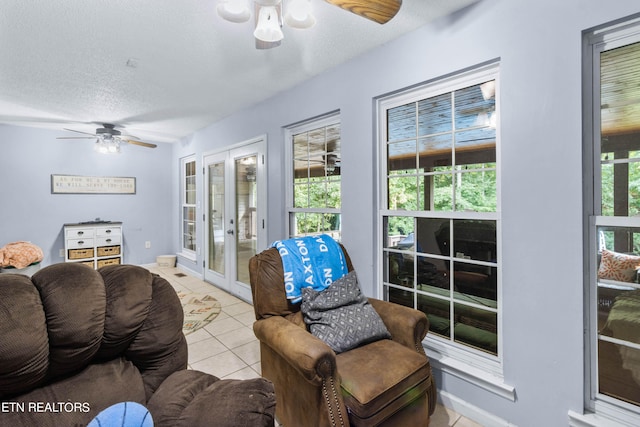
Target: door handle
[[230, 231]]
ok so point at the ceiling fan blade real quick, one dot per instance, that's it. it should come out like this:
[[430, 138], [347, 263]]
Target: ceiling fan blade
[[84, 133], [141, 143], [380, 11], [76, 137]]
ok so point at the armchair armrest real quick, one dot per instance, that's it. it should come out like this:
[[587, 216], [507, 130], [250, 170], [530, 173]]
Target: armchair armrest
[[309, 355], [406, 325]]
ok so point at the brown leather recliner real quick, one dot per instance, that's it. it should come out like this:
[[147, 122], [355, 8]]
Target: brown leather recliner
[[384, 383], [74, 341]]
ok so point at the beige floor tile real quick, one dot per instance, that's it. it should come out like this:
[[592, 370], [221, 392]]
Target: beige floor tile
[[247, 319], [466, 422], [249, 353], [205, 349], [222, 325], [220, 365], [443, 417], [238, 309], [237, 337], [198, 335], [243, 374]]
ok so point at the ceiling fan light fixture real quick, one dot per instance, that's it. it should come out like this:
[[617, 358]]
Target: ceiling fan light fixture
[[268, 26], [234, 10], [107, 144], [299, 14]]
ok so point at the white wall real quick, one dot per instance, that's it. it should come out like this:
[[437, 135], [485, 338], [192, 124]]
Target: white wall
[[538, 44], [28, 210]]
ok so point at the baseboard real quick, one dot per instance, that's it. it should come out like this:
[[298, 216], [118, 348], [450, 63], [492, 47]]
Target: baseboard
[[470, 411]]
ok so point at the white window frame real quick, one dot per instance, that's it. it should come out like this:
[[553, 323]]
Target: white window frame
[[600, 410], [289, 132], [186, 252], [475, 366]]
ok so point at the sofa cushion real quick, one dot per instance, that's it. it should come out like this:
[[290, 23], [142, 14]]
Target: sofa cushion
[[73, 297], [341, 316], [24, 347], [129, 292], [380, 378], [195, 399], [76, 400]]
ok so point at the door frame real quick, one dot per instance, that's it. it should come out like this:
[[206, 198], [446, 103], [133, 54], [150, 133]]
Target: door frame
[[229, 153]]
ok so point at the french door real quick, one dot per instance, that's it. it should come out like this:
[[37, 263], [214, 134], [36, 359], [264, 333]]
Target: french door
[[235, 197]]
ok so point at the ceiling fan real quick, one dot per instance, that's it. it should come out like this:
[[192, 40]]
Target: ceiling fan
[[108, 138], [380, 11], [269, 17]]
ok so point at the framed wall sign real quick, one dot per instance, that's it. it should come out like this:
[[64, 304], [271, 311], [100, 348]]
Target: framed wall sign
[[78, 184]]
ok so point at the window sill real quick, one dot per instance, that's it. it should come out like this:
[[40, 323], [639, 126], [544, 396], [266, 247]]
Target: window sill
[[188, 256], [472, 374], [595, 420]]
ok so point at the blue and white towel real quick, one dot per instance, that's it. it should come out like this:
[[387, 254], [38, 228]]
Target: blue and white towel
[[311, 261]]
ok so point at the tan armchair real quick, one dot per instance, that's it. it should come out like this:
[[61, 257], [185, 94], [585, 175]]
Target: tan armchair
[[384, 383]]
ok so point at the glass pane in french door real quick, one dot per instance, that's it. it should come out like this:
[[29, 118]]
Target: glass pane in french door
[[246, 215], [216, 217]]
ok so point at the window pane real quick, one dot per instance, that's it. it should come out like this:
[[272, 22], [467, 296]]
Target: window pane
[[620, 189], [401, 158], [317, 193], [401, 122], [403, 193], [475, 105], [443, 192], [472, 280], [435, 151], [476, 327], [619, 372], [189, 228], [399, 296], [475, 240], [398, 232], [190, 183], [476, 146], [433, 236], [476, 191], [433, 275], [438, 312], [400, 269], [333, 195], [301, 194], [434, 115]]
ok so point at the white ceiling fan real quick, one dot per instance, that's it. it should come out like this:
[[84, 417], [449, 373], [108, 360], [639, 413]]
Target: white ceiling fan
[[108, 139], [269, 16]]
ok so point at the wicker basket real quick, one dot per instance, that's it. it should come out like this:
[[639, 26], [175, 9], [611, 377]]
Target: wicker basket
[[80, 253], [108, 261], [109, 250]]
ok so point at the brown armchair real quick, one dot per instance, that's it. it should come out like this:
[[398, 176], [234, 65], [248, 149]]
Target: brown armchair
[[386, 382]]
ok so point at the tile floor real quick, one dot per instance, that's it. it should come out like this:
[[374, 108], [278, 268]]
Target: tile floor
[[227, 347]]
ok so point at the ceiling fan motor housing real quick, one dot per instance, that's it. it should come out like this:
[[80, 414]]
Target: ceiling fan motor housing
[[108, 131]]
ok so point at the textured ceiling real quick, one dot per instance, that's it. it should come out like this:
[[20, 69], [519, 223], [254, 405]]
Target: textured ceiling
[[163, 69]]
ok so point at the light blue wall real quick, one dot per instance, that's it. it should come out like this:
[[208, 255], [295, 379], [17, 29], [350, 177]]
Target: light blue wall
[[28, 210], [538, 44]]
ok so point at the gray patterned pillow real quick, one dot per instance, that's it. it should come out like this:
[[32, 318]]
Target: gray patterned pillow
[[341, 315]]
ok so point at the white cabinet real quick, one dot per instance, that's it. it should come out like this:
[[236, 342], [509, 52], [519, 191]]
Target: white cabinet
[[95, 244]]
